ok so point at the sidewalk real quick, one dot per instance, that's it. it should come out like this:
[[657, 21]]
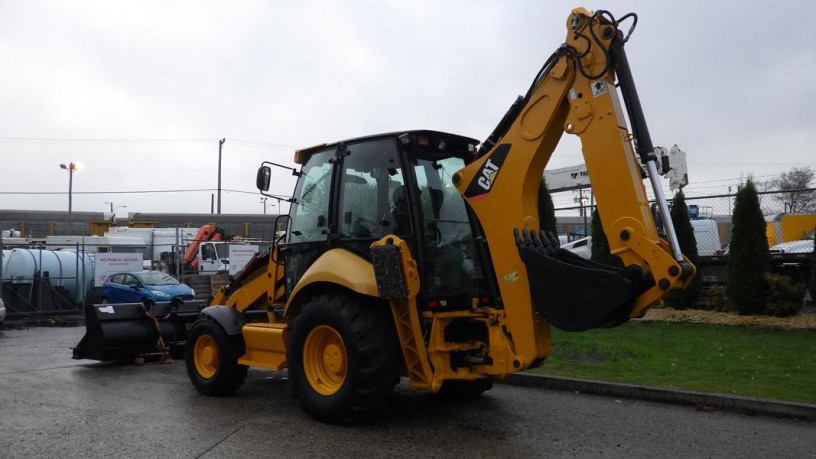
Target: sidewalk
[[703, 401]]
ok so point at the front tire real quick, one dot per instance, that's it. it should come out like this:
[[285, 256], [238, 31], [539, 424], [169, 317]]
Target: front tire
[[212, 358], [343, 359]]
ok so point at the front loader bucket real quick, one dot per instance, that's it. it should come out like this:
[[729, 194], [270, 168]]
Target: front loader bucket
[[575, 294], [126, 330]]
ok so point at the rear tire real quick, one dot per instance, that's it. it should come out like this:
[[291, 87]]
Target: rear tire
[[212, 358], [343, 359]]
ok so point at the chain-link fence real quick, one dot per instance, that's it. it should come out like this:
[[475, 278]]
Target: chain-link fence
[[790, 234], [61, 274], [39, 282], [782, 227], [51, 281]]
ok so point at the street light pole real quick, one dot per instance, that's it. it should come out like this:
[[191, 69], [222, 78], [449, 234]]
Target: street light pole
[[71, 167], [220, 145], [113, 209], [263, 201]]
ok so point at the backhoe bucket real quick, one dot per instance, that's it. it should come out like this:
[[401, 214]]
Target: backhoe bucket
[[127, 330], [574, 294]]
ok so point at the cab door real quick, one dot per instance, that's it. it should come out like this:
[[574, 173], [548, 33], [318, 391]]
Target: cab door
[[372, 199], [348, 196]]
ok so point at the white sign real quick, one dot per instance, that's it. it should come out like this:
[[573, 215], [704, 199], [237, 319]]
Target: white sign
[[567, 178], [239, 256], [106, 264]]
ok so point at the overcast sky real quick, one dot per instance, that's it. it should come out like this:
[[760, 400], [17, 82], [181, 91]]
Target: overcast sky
[[140, 92]]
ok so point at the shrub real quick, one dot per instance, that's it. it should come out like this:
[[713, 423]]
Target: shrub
[[713, 299], [600, 244], [681, 299], [546, 209], [748, 259], [812, 282], [784, 296]]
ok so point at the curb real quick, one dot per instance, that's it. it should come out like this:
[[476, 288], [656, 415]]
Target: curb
[[702, 400]]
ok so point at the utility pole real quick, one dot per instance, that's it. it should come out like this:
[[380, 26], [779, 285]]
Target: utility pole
[[583, 210], [729, 200], [220, 144]]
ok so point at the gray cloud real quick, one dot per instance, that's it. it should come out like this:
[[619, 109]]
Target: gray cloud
[[732, 85]]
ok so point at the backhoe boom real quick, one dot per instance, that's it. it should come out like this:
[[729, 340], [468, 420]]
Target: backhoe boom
[[574, 93]]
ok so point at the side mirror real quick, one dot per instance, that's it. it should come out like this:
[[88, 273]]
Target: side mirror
[[263, 178]]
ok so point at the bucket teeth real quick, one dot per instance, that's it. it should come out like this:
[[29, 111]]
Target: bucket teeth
[[539, 241]]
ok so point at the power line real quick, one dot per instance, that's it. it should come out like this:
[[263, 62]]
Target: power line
[[192, 190], [40, 140], [258, 144], [50, 140], [741, 164], [26, 193]]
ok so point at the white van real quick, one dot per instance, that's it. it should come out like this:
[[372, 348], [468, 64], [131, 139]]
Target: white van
[[707, 235]]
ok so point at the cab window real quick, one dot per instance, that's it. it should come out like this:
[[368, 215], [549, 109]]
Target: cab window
[[446, 227]]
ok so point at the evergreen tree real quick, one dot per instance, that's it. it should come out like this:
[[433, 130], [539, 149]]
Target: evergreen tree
[[747, 286], [812, 282], [680, 299], [546, 209], [600, 244]]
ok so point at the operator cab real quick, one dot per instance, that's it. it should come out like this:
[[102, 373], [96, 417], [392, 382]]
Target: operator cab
[[352, 193]]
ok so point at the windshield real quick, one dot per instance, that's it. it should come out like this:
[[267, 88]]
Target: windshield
[[156, 278], [308, 217]]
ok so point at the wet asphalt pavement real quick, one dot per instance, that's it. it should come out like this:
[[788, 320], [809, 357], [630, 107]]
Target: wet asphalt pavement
[[53, 406]]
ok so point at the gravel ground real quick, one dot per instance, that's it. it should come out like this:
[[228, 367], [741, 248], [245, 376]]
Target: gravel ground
[[798, 322]]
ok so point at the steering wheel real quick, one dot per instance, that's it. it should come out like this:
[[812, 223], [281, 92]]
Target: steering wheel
[[363, 227]]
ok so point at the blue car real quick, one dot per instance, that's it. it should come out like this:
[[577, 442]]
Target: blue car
[[146, 285]]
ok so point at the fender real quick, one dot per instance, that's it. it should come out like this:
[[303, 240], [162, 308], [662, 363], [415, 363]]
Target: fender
[[231, 320], [336, 267]]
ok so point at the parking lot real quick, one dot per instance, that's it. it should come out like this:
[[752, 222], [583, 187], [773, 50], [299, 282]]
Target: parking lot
[[53, 406]]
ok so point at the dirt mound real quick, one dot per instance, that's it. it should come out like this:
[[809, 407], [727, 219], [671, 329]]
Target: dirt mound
[[797, 322]]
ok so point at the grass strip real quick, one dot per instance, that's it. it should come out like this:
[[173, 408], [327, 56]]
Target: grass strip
[[745, 361]]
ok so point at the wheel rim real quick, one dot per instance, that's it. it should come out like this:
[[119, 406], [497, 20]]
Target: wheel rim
[[324, 360], [205, 356]]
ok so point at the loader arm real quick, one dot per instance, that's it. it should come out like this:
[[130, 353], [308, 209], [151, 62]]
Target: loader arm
[[575, 92], [259, 284]]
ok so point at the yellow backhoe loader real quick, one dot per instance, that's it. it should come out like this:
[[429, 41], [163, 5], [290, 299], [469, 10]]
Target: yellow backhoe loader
[[419, 254]]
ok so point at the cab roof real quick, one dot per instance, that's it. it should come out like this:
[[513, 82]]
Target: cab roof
[[444, 141]]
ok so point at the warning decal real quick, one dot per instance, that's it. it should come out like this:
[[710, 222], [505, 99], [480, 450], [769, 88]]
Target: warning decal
[[598, 88]]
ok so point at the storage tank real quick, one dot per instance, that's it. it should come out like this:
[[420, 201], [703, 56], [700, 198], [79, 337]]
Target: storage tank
[[72, 271]]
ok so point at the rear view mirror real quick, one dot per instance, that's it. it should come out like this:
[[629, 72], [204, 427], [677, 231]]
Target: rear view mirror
[[263, 178]]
